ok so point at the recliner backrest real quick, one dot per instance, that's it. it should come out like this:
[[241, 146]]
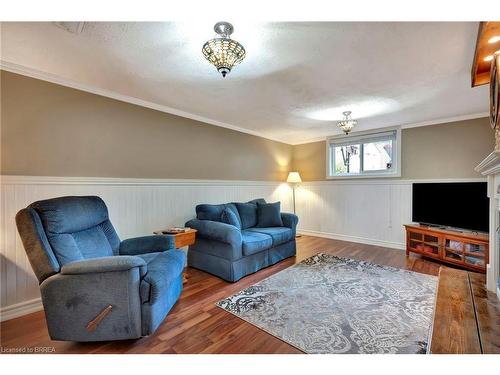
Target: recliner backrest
[[77, 228], [36, 244]]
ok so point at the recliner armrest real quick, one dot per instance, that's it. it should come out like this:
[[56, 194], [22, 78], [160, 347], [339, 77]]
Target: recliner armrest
[[290, 220], [147, 244], [215, 230], [104, 264]]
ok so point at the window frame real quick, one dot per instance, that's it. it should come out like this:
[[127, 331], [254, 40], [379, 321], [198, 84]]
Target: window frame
[[360, 138]]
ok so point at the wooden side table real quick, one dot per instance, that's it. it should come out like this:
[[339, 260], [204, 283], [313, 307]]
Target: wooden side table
[[181, 240]]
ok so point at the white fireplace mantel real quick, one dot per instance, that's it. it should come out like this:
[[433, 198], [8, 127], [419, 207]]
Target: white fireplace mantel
[[490, 167]]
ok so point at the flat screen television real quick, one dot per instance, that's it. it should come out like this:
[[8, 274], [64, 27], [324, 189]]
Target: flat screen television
[[462, 205]]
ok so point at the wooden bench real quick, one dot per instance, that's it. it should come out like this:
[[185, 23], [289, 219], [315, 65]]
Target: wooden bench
[[467, 316]]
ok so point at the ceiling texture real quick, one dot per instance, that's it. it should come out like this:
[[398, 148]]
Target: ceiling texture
[[293, 86]]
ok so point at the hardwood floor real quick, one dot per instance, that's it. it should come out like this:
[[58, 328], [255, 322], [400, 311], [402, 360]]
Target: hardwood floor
[[196, 325]]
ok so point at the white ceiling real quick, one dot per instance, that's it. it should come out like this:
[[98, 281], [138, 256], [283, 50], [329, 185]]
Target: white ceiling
[[293, 85]]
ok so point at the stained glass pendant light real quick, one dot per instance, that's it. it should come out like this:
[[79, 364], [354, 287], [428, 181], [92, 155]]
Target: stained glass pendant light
[[347, 122], [222, 51]]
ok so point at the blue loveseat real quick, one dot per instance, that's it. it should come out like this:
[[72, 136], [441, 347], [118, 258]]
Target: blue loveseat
[[95, 287], [234, 251]]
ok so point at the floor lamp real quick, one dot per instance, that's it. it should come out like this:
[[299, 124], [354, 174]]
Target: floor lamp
[[294, 180]]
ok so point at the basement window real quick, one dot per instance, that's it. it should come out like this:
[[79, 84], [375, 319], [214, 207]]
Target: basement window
[[366, 154]]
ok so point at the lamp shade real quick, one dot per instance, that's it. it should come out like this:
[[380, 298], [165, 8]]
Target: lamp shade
[[294, 178]]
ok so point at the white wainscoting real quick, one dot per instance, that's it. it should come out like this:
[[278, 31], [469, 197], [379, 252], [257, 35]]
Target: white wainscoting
[[370, 211], [136, 208], [365, 211]]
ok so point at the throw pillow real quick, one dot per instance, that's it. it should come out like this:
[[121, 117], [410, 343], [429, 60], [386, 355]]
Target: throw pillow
[[269, 215], [248, 214], [258, 200], [228, 216]]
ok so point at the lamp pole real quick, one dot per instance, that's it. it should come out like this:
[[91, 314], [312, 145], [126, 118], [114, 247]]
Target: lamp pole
[[294, 186], [293, 193], [294, 180]]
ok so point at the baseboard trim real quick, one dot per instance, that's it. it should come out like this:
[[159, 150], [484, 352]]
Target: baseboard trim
[[343, 237], [20, 309]]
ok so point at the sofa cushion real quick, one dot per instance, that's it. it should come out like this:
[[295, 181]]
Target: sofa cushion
[[279, 234], [269, 215], [231, 217], [258, 200], [248, 214], [162, 269], [254, 242]]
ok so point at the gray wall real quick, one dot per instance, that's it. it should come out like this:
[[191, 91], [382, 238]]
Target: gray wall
[[450, 150], [51, 130]]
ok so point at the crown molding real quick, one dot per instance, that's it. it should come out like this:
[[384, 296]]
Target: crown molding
[[53, 78], [444, 120]]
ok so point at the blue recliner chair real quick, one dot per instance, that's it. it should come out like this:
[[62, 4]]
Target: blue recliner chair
[[95, 287]]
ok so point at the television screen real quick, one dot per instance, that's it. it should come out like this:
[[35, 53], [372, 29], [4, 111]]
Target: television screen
[[462, 205]]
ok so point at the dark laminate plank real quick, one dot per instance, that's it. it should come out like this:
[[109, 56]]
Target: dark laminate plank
[[488, 314], [454, 329], [196, 325]]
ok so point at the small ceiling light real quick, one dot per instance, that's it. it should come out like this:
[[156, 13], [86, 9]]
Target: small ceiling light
[[490, 57], [494, 39], [222, 51], [347, 122]]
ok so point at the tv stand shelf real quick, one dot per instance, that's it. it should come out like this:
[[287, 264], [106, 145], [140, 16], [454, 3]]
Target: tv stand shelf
[[468, 250]]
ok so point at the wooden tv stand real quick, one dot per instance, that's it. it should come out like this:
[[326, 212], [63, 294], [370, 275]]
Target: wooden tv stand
[[468, 250]]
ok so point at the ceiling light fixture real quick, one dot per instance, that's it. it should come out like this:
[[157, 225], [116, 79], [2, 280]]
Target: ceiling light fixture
[[494, 39], [347, 122], [222, 51]]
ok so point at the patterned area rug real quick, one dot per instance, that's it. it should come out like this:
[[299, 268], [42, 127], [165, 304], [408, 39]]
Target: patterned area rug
[[327, 304]]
